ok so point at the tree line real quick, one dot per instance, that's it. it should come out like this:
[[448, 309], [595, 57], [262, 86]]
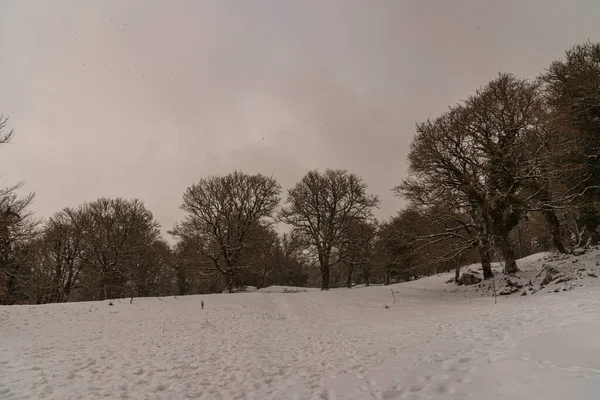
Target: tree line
[[512, 170]]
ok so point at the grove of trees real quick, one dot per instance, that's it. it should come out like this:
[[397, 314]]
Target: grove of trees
[[512, 170]]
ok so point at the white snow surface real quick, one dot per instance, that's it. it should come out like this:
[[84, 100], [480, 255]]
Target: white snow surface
[[342, 344]]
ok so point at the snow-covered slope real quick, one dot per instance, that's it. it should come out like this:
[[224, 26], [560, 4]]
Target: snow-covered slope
[[343, 344], [539, 273]]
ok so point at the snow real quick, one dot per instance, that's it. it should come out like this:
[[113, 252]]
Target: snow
[[286, 289], [430, 343]]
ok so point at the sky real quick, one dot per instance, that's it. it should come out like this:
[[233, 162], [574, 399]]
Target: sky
[[143, 98]]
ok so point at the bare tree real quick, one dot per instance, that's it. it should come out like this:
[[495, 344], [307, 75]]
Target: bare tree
[[445, 173], [572, 90], [223, 212], [443, 238], [356, 250], [419, 241], [59, 256], [17, 229], [478, 158], [5, 133], [119, 233], [153, 271], [322, 208], [293, 266], [393, 249]]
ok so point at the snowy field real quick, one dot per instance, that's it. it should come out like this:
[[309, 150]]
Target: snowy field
[[431, 343]]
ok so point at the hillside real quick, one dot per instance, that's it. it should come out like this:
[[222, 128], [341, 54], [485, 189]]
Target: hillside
[[436, 340]]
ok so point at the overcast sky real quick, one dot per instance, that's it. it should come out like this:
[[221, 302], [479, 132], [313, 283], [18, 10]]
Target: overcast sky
[[142, 98]]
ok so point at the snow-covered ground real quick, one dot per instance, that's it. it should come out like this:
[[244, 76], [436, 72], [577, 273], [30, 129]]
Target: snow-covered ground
[[432, 343]]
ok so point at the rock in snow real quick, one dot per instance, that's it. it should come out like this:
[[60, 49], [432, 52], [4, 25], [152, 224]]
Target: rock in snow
[[548, 274], [469, 279], [562, 279], [511, 282], [508, 290]]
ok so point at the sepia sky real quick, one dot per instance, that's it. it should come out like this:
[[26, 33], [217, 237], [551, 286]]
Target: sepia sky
[[142, 98]]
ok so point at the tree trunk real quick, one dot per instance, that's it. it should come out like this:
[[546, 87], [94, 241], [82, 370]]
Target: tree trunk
[[510, 264], [182, 283], [486, 258], [386, 278], [325, 277], [229, 281], [367, 275], [590, 219], [103, 290], [349, 281], [56, 289], [554, 223], [595, 238], [457, 274], [66, 293], [506, 248], [11, 290], [325, 270], [520, 241], [264, 277]]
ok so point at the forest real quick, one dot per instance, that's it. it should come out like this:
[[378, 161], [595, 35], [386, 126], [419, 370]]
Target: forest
[[512, 170]]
